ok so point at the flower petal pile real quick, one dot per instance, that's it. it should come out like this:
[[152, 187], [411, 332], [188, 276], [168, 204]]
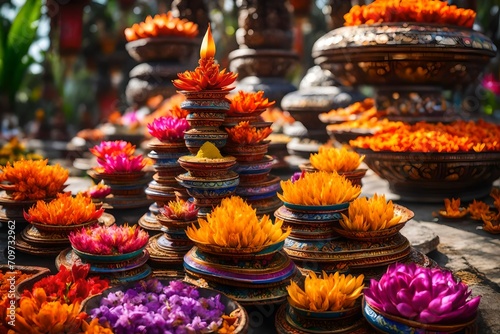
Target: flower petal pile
[[332, 159], [354, 109], [370, 214], [112, 240], [161, 25], [332, 292], [320, 188], [70, 286], [64, 210], [245, 134], [234, 224], [248, 102], [458, 136], [207, 75], [168, 129], [150, 307], [32, 179], [430, 11], [180, 210], [426, 295]]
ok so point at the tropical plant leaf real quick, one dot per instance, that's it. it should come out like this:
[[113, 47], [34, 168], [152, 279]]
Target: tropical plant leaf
[[21, 35], [18, 77]]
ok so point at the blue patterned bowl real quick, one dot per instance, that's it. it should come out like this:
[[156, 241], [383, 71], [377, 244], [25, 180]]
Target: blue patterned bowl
[[316, 208], [88, 257], [391, 324], [189, 181]]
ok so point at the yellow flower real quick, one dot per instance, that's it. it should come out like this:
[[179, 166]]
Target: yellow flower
[[320, 188], [234, 224], [332, 159], [370, 214], [332, 292], [32, 179]]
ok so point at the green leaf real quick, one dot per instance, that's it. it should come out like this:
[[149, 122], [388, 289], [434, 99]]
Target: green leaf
[[21, 35], [18, 77]]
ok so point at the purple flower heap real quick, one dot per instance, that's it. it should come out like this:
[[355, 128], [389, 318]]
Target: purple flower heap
[[152, 308], [168, 129], [426, 295]]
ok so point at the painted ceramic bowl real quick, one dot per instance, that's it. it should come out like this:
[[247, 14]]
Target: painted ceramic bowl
[[88, 257], [35, 274], [255, 167], [188, 181], [117, 178], [193, 96], [379, 235], [354, 176], [391, 324], [265, 188], [309, 216], [246, 153], [174, 224], [212, 117], [195, 138], [239, 252], [161, 48], [203, 168], [316, 208], [63, 229]]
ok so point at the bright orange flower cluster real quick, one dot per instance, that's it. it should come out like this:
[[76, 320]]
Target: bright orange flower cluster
[[332, 159], [320, 188], [32, 179], [36, 314], [5, 280], [370, 214], [477, 209], [332, 292], [245, 134], [207, 75], [64, 210], [95, 328], [161, 25], [481, 211], [459, 136], [354, 109], [248, 102], [428, 11], [234, 224]]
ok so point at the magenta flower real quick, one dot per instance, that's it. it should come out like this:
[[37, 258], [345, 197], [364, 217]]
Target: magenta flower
[[489, 82], [99, 190], [426, 295], [122, 163], [104, 240], [180, 210], [107, 148], [297, 176], [168, 129]]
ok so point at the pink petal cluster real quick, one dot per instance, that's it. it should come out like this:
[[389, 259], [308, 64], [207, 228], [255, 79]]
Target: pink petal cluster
[[122, 163], [426, 295], [109, 240], [180, 210], [99, 190], [168, 129], [107, 148], [489, 82]]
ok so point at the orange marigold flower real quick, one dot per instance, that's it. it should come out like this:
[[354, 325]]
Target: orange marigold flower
[[248, 102], [244, 133], [95, 328], [320, 188], [477, 209], [429, 11], [207, 75], [161, 25], [370, 214], [333, 292], [64, 210], [452, 209], [458, 136], [491, 223], [332, 159], [495, 193], [32, 179], [234, 223], [354, 109]]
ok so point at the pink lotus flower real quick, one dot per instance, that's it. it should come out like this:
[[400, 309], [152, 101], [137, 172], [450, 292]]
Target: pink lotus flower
[[99, 190], [426, 295], [112, 240], [168, 129], [108, 148], [122, 163], [180, 210]]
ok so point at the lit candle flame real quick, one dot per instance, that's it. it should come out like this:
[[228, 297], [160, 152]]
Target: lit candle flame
[[207, 45]]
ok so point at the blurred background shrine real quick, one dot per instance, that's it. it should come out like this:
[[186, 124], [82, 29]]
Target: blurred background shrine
[[70, 72]]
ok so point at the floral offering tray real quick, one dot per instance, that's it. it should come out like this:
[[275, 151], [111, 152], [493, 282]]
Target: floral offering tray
[[25, 276]]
